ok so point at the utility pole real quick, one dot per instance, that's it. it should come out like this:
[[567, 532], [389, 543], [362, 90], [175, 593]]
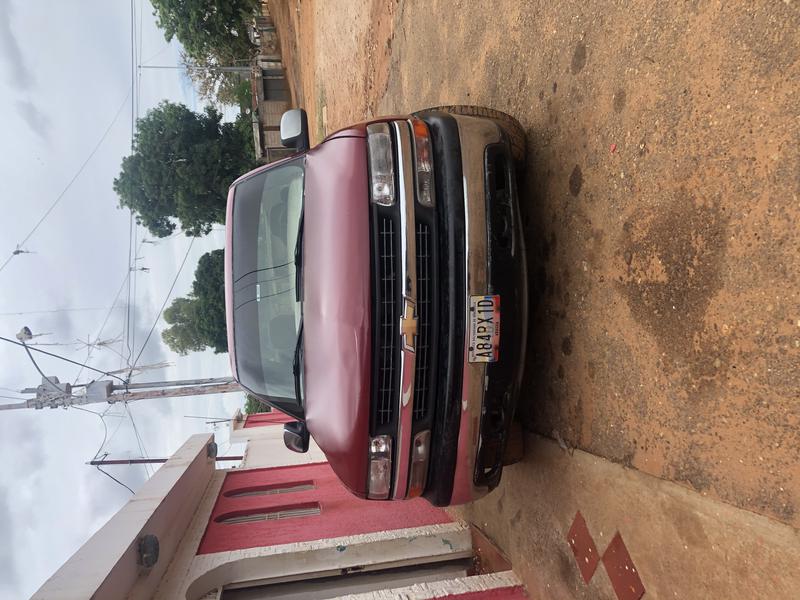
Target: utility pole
[[52, 393], [176, 392], [146, 461], [222, 69]]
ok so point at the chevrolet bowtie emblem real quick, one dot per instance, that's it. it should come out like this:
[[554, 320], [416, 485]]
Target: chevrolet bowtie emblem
[[408, 325]]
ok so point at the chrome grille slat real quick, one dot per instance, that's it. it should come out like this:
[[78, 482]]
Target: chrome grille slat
[[424, 268], [387, 394]]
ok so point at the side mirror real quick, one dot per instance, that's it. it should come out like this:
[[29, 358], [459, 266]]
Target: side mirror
[[295, 436], [294, 129]]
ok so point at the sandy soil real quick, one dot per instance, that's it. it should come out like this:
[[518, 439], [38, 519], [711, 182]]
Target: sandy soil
[[661, 199]]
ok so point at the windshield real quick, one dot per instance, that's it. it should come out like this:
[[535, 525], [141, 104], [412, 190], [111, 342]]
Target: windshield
[[267, 213]]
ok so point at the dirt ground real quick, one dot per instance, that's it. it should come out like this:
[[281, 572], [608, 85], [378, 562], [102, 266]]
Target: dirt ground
[[661, 197]]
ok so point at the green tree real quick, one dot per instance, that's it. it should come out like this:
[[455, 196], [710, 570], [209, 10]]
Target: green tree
[[197, 321], [182, 165], [254, 405], [208, 27]]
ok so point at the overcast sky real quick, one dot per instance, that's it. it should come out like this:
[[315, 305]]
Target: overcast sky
[[64, 73]]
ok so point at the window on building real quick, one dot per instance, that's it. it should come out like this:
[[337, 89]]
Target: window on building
[[285, 512], [268, 490]]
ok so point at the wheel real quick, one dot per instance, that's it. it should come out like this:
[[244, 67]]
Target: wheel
[[512, 127], [515, 444]]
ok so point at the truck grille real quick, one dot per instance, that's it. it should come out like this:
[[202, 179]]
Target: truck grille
[[389, 321], [423, 363]]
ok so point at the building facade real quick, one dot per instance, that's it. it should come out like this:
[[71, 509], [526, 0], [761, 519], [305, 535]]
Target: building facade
[[279, 526], [269, 88]]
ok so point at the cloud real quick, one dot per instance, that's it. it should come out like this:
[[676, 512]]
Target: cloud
[[10, 51], [26, 436], [9, 574], [39, 122], [20, 75]]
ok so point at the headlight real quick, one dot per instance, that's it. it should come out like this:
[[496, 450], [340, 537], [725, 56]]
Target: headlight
[[380, 467], [420, 451], [381, 163], [424, 162]]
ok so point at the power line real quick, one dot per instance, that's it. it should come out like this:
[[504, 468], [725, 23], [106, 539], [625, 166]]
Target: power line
[[105, 437], [57, 310], [131, 226], [116, 429], [154, 56], [35, 364], [139, 60], [105, 321], [139, 439], [71, 181], [133, 68], [163, 304], [127, 327], [132, 332], [105, 427], [65, 359], [107, 474]]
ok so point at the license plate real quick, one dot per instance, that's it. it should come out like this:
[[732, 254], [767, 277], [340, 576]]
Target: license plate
[[484, 328]]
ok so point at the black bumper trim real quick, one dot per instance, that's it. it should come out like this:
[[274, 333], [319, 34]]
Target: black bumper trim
[[451, 232], [506, 260]]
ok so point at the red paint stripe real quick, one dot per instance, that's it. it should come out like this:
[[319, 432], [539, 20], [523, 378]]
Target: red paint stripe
[[516, 592], [342, 514]]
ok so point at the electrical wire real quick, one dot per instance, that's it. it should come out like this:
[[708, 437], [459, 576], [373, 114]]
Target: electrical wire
[[117, 428], [131, 225], [103, 443], [138, 60], [74, 178], [163, 305], [56, 310], [127, 327], [132, 332], [102, 420], [105, 321], [139, 439], [35, 364], [107, 474], [74, 362], [100, 416], [154, 56]]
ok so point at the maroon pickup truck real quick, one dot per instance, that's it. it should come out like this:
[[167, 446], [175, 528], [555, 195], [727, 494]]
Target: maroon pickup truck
[[366, 282]]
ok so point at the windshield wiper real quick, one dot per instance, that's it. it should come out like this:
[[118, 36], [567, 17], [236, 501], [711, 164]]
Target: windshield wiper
[[298, 259], [297, 363]]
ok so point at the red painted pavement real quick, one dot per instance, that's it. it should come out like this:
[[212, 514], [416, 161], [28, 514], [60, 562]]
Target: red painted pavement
[[342, 514], [621, 571], [586, 555], [617, 561]]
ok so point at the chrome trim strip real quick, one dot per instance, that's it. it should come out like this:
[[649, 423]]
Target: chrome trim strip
[[408, 272], [474, 134]]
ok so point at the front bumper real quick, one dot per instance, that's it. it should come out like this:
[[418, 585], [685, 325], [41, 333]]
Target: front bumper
[[426, 263], [479, 217]]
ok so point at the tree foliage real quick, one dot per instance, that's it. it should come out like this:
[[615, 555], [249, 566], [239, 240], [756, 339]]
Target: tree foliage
[[197, 321], [208, 27], [182, 165], [253, 405]]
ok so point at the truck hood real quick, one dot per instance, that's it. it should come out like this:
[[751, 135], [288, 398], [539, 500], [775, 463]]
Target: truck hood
[[336, 309]]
